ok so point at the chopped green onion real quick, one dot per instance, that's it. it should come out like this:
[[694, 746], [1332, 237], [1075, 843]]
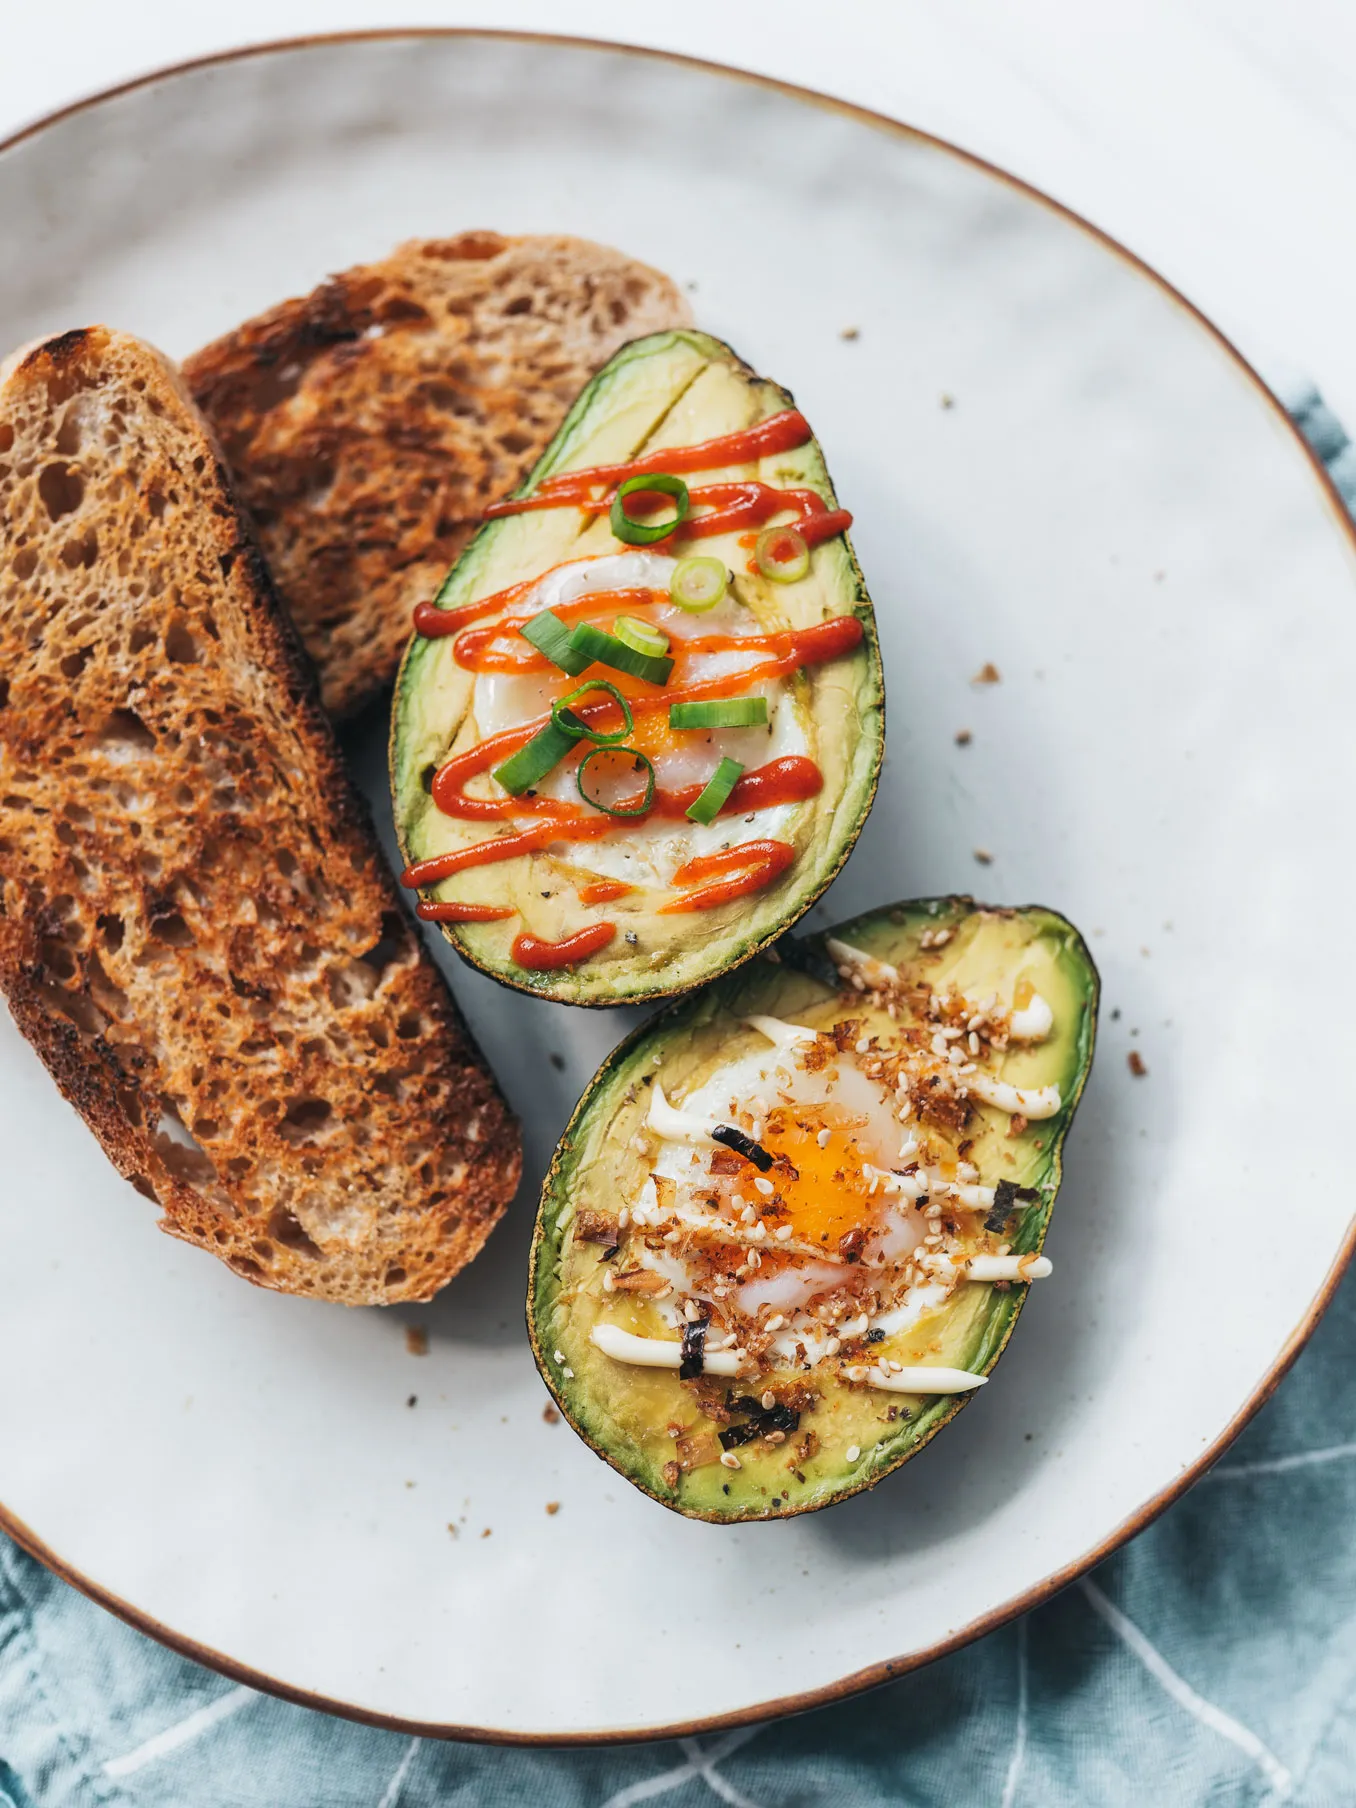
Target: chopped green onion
[[781, 554], [640, 759], [698, 584], [590, 643], [720, 712], [639, 635], [713, 799], [549, 635], [645, 533], [579, 730], [534, 759]]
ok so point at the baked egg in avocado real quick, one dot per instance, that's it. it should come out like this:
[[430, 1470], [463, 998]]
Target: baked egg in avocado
[[793, 1220]]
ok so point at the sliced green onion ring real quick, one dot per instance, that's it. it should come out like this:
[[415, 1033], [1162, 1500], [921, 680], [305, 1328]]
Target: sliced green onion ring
[[781, 554], [698, 584], [551, 637], [645, 533], [592, 644], [564, 718], [640, 636], [643, 806], [713, 799], [720, 712], [534, 759]]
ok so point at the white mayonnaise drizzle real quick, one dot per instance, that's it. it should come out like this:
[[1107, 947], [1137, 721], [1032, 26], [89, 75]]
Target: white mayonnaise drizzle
[[676, 1126], [657, 1352], [917, 1380], [1033, 1023], [1031, 1102], [874, 972], [988, 1268], [781, 1035]]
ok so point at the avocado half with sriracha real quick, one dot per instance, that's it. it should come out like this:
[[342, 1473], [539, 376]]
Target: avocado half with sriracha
[[790, 1227], [640, 727]]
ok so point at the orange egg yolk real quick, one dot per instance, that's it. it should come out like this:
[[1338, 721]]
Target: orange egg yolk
[[831, 1194]]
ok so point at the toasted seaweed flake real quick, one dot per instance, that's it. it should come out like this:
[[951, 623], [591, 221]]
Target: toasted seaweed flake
[[743, 1145], [692, 1357], [1007, 1197], [762, 1419]]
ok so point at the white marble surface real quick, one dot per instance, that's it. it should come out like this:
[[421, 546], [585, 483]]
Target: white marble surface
[[1217, 138]]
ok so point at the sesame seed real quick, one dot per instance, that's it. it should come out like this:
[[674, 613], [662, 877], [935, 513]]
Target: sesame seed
[[863, 1043], [692, 1312], [760, 1231], [833, 1346], [823, 1138], [974, 1043], [672, 1236], [767, 1401], [775, 1323], [559, 1355], [623, 1218], [857, 982], [782, 1232], [755, 1260], [765, 1187], [568, 1373], [730, 1460], [609, 1285], [737, 1201], [853, 1452]]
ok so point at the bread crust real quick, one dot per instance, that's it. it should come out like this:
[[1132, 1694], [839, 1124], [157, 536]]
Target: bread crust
[[369, 423], [198, 932]]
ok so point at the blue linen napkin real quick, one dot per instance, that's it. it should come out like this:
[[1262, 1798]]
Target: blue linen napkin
[[1211, 1661]]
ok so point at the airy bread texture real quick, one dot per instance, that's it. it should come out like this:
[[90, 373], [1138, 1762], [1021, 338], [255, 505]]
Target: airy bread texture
[[368, 424], [197, 930]]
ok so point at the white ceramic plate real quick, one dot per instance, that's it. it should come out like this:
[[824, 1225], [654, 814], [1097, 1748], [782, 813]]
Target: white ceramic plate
[[1110, 509]]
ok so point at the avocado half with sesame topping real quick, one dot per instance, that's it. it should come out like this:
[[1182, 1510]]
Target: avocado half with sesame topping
[[793, 1220], [641, 727]]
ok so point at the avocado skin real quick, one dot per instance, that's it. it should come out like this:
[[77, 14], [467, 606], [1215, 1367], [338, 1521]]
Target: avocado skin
[[597, 986], [873, 931]]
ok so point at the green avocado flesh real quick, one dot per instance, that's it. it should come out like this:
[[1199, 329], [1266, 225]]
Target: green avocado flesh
[[671, 389], [663, 1433]]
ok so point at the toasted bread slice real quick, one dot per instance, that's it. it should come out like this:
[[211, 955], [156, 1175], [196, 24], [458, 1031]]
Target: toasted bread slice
[[197, 930], [369, 423]]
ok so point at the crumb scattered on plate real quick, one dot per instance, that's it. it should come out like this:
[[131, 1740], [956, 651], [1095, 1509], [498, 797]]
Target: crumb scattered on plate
[[988, 673], [1135, 1062], [551, 1416], [963, 737], [416, 1340], [984, 857], [453, 1530], [413, 1400], [553, 1507], [851, 332], [487, 1531]]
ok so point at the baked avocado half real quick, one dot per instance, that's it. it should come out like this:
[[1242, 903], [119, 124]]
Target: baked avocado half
[[640, 728], [793, 1219]]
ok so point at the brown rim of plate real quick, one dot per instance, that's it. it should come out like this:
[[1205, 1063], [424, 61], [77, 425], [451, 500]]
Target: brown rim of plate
[[890, 1669]]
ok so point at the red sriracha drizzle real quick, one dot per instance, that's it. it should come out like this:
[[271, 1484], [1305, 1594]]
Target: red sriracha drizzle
[[709, 880]]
